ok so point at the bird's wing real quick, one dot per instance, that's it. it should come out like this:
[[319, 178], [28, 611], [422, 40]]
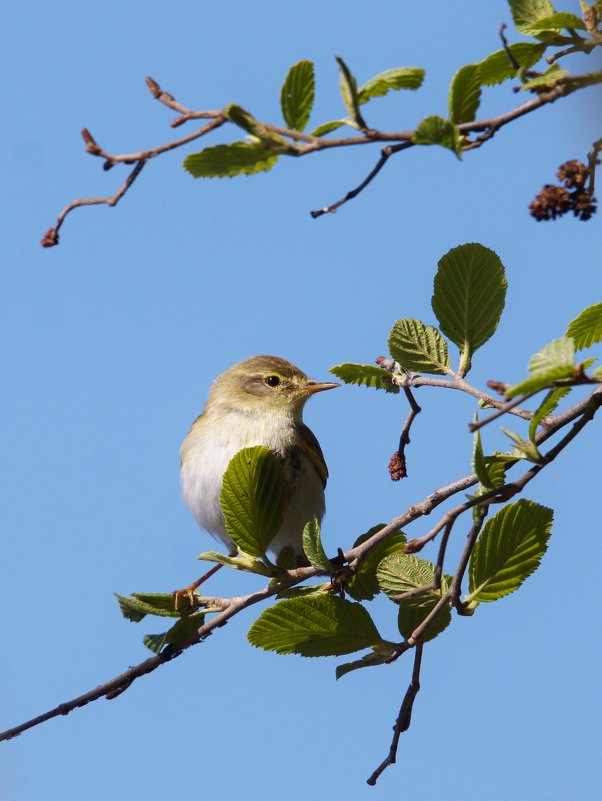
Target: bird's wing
[[313, 451]]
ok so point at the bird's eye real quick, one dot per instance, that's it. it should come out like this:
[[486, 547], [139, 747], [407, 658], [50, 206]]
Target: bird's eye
[[272, 380]]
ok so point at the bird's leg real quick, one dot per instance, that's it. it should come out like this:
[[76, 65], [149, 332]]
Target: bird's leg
[[188, 592]]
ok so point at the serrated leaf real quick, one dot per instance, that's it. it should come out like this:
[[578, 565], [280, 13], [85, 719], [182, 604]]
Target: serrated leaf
[[554, 362], [419, 347], [526, 13], [348, 86], [247, 564], [527, 449], [546, 81], [381, 84], [497, 67], [253, 496], [178, 633], [297, 95], [546, 407], [469, 296], [586, 328], [268, 139], [313, 549], [367, 375], [304, 591], [509, 550], [370, 660], [436, 130], [557, 21], [496, 469], [464, 94], [363, 585], [318, 625], [327, 127], [227, 161], [478, 460], [135, 609], [399, 573]]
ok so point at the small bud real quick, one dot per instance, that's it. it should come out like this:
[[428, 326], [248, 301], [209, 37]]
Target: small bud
[[50, 238], [91, 145], [397, 467], [153, 86], [108, 165], [498, 386]]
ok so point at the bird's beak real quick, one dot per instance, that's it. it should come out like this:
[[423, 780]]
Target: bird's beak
[[314, 386]]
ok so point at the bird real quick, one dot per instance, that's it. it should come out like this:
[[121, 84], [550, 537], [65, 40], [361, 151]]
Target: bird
[[258, 401]]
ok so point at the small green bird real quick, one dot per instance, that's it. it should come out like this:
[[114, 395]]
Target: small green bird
[[257, 402]]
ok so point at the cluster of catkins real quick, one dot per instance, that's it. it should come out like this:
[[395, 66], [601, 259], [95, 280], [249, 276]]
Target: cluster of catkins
[[554, 201]]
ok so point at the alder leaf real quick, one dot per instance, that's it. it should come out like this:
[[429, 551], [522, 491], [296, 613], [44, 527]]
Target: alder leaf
[[526, 13], [419, 347], [178, 633], [367, 375], [469, 296], [554, 362], [348, 86], [227, 161], [363, 585], [253, 496], [315, 625], [509, 550], [313, 548], [586, 328], [436, 130], [546, 407], [464, 94], [297, 95], [395, 79], [497, 67], [267, 138]]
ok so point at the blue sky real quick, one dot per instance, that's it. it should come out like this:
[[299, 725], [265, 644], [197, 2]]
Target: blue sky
[[112, 339]]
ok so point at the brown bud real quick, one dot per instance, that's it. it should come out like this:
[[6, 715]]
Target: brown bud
[[397, 467], [573, 174], [153, 86], [498, 386], [50, 238]]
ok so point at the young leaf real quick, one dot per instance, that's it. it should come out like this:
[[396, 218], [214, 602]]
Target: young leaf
[[400, 573], [526, 13], [367, 375], [248, 564], [297, 95], [179, 632], [469, 296], [369, 660], [479, 465], [348, 86], [419, 347], [227, 161], [363, 585], [548, 80], [547, 406], [137, 607], [253, 496], [498, 67], [313, 548], [381, 84], [316, 625], [327, 127], [464, 94], [527, 450], [554, 362], [268, 139], [557, 21], [586, 328], [509, 549], [435, 130]]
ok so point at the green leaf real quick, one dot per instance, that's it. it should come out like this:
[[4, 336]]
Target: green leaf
[[554, 362], [399, 573], [526, 13], [304, 591], [464, 94], [419, 347], [479, 465], [435, 130], [557, 21], [369, 660], [497, 67], [286, 558], [267, 138], [509, 549], [586, 328], [546, 81], [348, 86], [546, 407], [178, 633], [297, 95], [327, 127], [597, 373], [313, 549], [226, 161], [247, 564], [400, 78], [527, 450], [253, 496], [367, 375], [469, 296], [318, 625], [140, 605], [363, 585]]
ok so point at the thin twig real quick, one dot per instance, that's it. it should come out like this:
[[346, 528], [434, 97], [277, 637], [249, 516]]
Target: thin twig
[[403, 718]]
